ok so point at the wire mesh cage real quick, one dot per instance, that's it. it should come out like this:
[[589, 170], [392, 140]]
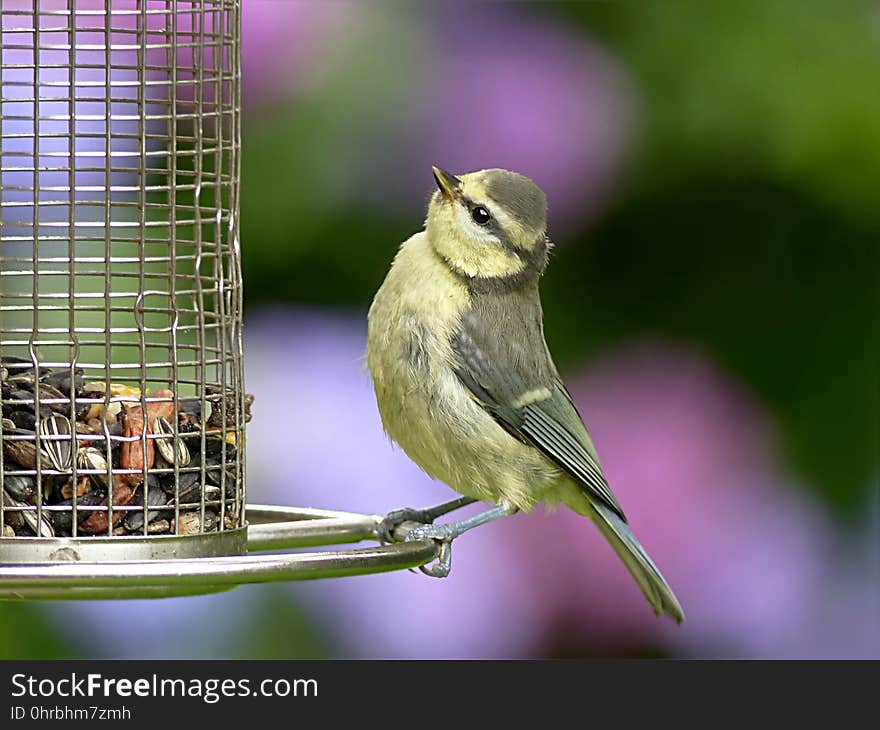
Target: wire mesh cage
[[122, 469], [120, 292]]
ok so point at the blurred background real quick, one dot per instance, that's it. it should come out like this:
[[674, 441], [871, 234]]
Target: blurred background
[[712, 171]]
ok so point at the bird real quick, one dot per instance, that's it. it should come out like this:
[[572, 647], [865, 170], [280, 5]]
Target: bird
[[465, 383]]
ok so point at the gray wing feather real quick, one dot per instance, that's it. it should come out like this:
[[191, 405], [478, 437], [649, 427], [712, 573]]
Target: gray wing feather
[[499, 371], [554, 437]]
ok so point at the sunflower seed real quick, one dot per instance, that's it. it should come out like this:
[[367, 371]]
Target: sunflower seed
[[24, 453], [89, 459], [11, 518], [22, 488], [30, 519], [63, 520], [55, 441], [158, 527], [22, 400], [17, 362], [190, 523], [40, 527], [54, 398], [61, 379], [214, 475], [23, 419], [161, 427], [134, 521], [22, 379], [187, 487], [169, 447], [51, 396]]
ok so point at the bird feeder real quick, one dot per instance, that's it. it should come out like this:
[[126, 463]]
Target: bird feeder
[[122, 394]]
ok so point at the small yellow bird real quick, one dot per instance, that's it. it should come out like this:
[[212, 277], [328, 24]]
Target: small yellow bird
[[465, 383]]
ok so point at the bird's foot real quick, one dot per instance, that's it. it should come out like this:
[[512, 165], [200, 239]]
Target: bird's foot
[[444, 536], [394, 519]]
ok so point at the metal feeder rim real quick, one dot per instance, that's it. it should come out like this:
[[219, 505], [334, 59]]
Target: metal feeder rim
[[274, 528]]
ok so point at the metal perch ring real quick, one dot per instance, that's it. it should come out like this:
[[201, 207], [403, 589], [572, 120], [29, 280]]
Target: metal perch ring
[[271, 528]]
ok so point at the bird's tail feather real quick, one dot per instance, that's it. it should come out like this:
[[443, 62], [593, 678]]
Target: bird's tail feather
[[633, 555]]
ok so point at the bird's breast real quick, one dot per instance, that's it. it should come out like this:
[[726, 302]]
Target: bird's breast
[[423, 405], [411, 323]]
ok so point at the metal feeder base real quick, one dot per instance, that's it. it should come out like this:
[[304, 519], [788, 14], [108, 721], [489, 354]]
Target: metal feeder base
[[20, 550], [71, 572]]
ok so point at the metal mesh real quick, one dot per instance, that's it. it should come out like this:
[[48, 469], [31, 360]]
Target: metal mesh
[[120, 280]]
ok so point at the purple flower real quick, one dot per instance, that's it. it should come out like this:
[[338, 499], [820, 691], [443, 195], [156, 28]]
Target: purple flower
[[491, 87], [287, 43], [692, 459], [504, 88]]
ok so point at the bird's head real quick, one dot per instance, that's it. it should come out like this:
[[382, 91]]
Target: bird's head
[[489, 225]]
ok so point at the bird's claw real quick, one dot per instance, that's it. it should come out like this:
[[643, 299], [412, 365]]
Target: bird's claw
[[394, 519], [442, 535], [441, 568]]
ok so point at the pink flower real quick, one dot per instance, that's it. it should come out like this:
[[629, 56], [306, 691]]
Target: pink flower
[[503, 88], [287, 43], [692, 459]]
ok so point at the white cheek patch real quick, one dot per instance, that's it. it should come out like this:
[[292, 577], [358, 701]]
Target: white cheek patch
[[475, 232]]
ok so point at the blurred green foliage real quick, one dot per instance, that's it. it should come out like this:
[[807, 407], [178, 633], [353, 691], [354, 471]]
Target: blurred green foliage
[[779, 89], [300, 163], [24, 634], [747, 222], [278, 629]]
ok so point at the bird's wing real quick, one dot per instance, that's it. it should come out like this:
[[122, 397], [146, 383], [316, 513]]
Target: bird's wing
[[511, 375]]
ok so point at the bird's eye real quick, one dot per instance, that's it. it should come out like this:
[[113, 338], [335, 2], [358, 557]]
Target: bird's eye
[[480, 215]]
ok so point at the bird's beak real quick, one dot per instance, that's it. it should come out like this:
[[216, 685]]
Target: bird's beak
[[448, 183]]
